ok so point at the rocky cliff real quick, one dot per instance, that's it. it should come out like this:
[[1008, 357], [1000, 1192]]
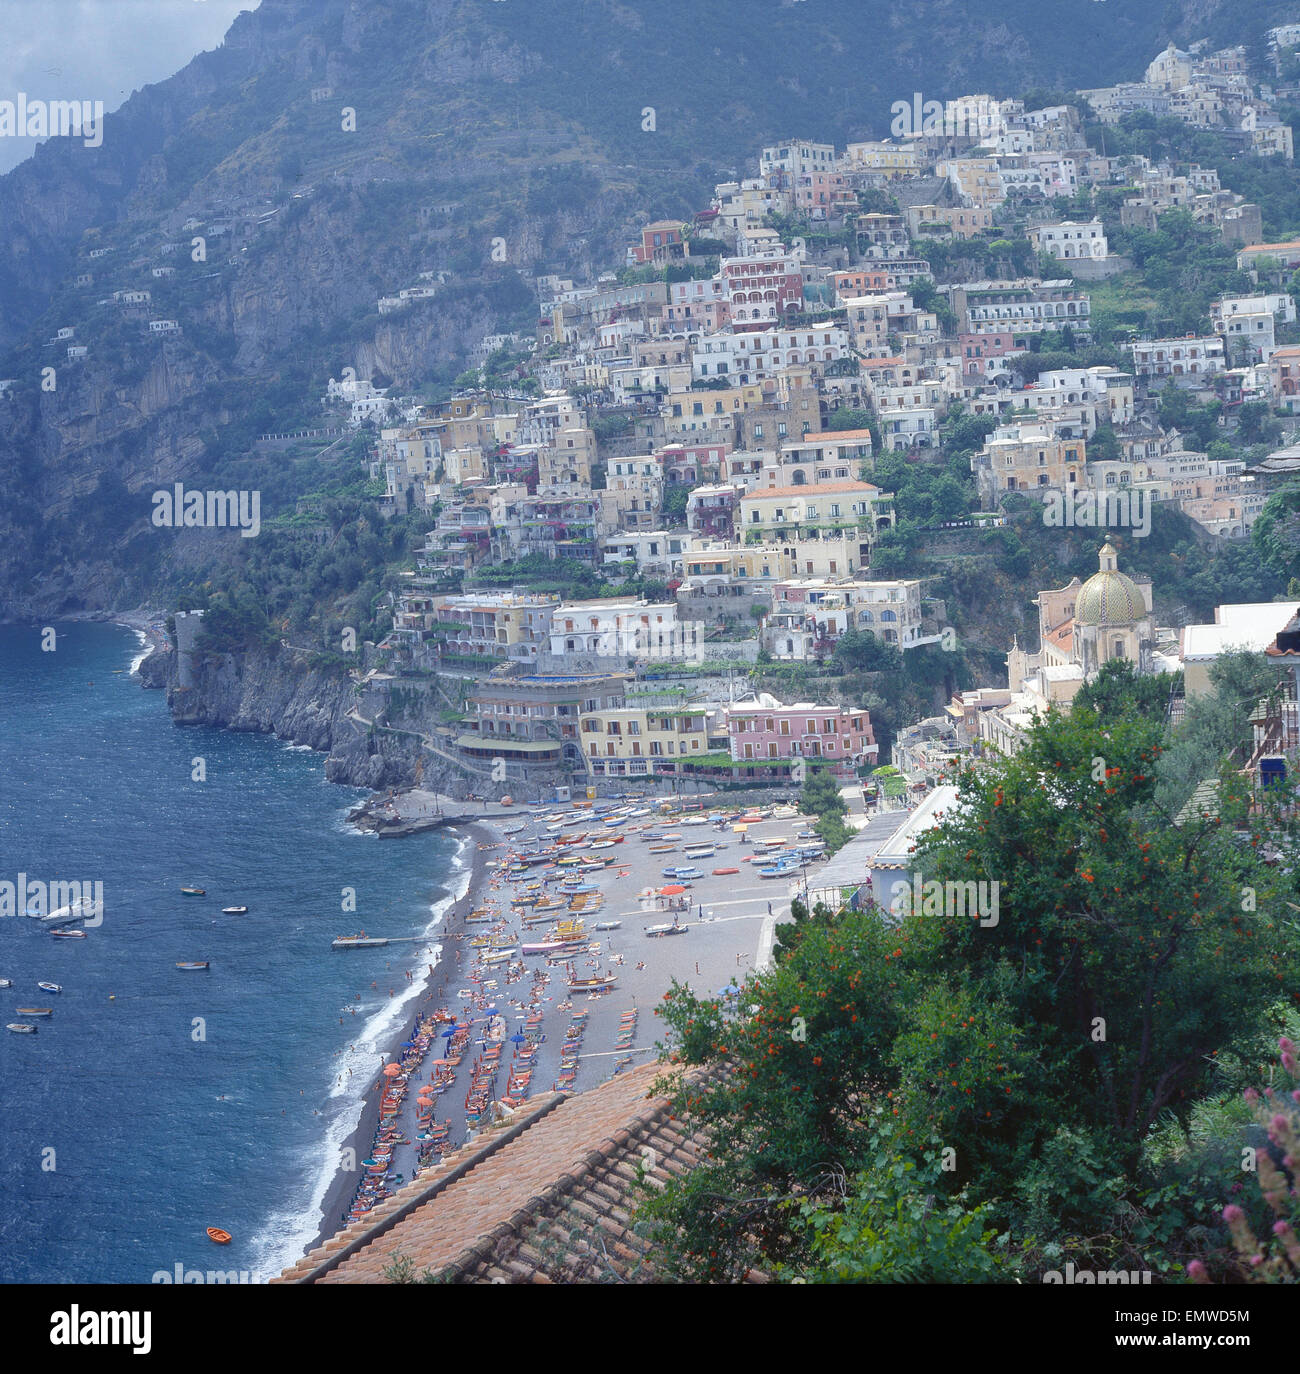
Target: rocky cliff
[[283, 695]]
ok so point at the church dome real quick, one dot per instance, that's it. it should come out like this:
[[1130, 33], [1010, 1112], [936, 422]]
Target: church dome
[[1108, 597]]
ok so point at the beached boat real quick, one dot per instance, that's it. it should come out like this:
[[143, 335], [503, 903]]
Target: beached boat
[[20, 1028], [193, 963], [545, 947], [607, 925], [592, 984], [657, 932], [68, 934], [50, 987], [663, 848], [234, 911], [722, 872], [703, 851], [779, 871], [194, 892]]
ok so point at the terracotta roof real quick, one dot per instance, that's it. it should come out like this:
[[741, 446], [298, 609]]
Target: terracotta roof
[[547, 1197], [811, 489]]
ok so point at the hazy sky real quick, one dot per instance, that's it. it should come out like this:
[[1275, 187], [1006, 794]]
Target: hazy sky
[[100, 49]]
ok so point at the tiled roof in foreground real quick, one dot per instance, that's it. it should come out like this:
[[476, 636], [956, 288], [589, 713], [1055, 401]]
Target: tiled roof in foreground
[[545, 1198]]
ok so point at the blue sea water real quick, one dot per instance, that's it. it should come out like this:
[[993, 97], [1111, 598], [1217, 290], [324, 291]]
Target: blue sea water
[[157, 1102]]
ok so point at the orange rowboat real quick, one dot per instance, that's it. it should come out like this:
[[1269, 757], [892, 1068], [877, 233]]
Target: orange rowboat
[[718, 872], [215, 1233]]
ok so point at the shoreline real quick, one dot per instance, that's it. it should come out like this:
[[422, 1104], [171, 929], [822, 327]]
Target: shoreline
[[338, 1195]]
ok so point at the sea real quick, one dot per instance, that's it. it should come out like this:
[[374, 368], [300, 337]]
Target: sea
[[156, 1102]]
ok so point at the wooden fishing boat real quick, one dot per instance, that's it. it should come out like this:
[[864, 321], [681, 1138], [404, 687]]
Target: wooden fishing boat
[[34, 1011], [193, 892], [20, 1028], [50, 987], [663, 848], [217, 1235], [658, 932], [592, 984], [193, 964], [723, 872]]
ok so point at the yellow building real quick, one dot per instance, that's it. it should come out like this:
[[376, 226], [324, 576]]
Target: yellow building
[[687, 412], [632, 740]]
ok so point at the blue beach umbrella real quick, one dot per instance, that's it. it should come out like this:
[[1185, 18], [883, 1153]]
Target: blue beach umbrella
[[518, 1039]]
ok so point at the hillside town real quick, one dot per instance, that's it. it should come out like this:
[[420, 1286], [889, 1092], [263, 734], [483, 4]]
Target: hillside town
[[704, 422]]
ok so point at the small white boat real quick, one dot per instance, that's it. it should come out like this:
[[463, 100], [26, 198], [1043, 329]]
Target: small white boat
[[5, 983], [607, 925], [50, 987], [68, 934], [234, 911], [21, 1028], [658, 932]]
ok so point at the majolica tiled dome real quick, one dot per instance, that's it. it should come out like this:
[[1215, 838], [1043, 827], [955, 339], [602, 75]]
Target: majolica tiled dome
[[1108, 597]]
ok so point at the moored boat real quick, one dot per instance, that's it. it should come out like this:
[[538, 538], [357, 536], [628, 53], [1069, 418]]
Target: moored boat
[[20, 1028], [34, 1011], [220, 1237], [194, 892], [50, 987], [193, 964], [234, 911], [68, 934]]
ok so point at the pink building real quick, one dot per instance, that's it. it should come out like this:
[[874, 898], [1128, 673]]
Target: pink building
[[698, 306], [692, 463], [660, 242], [977, 349], [759, 732], [823, 193], [762, 289]]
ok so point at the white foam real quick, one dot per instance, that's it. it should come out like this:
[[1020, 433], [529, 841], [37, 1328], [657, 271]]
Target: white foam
[[289, 1233], [145, 647]]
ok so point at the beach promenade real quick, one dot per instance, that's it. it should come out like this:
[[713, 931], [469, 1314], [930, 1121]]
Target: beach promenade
[[496, 1026]]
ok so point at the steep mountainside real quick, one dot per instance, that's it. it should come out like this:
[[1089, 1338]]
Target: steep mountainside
[[268, 195]]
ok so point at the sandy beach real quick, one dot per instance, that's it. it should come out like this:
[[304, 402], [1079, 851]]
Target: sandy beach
[[523, 1029]]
